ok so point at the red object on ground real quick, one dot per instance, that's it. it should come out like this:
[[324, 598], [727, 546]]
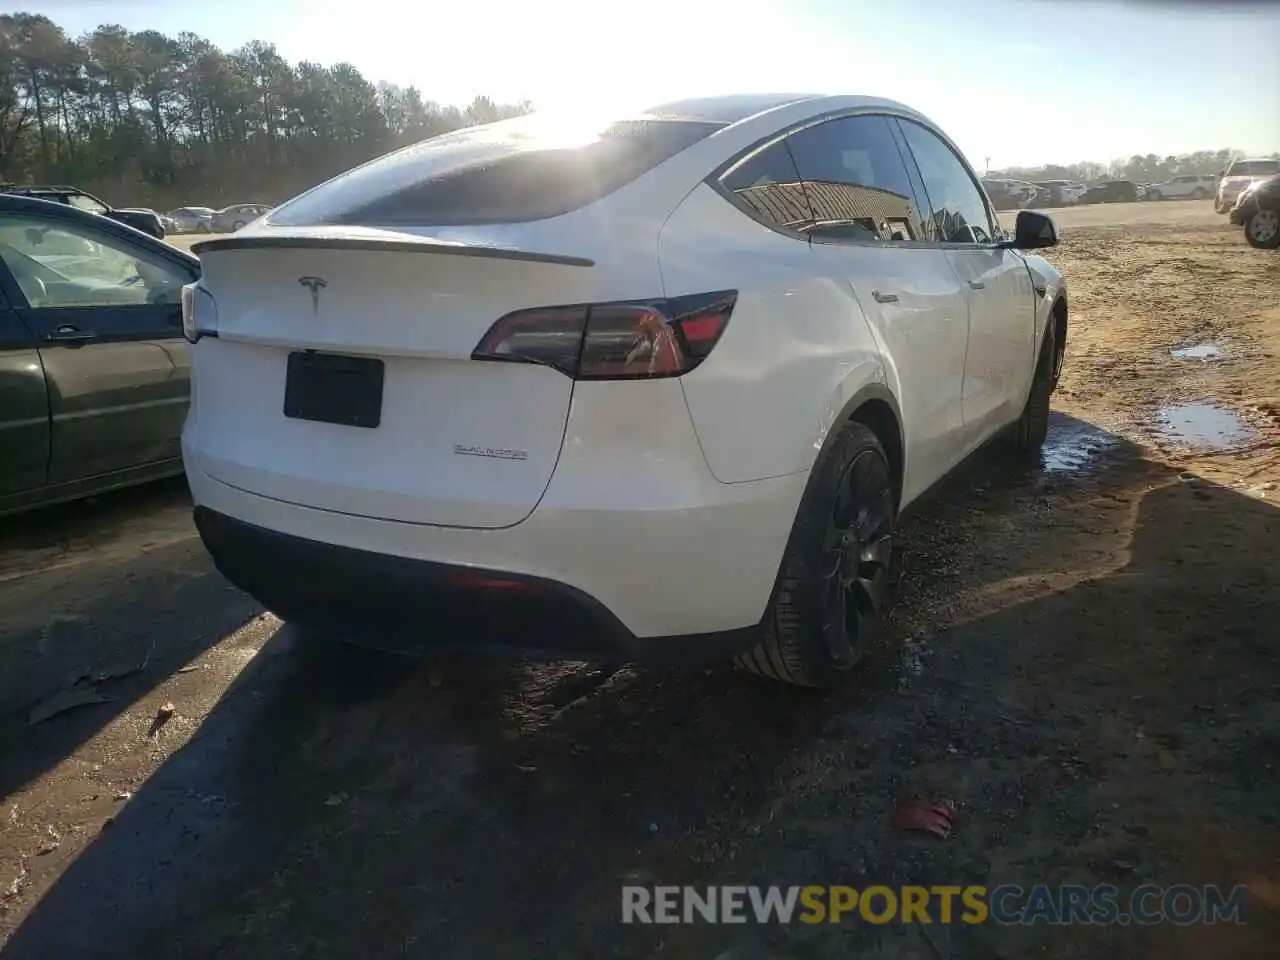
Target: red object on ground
[[922, 816]]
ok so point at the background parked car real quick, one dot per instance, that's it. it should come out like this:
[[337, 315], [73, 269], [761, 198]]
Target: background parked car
[[192, 219], [232, 218], [93, 367], [1009, 194], [1240, 174], [148, 221], [1113, 191], [1257, 209], [1058, 193], [1196, 186]]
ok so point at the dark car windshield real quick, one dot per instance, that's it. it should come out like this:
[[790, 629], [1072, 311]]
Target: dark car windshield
[[503, 173], [1253, 168]]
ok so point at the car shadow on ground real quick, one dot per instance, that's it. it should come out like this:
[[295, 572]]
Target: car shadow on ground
[[90, 520], [108, 597], [1084, 663]]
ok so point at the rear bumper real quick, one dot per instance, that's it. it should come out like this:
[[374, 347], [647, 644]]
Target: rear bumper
[[631, 517], [419, 606], [697, 568]]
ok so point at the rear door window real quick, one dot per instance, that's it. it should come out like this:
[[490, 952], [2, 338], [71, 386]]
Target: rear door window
[[856, 181], [503, 173]]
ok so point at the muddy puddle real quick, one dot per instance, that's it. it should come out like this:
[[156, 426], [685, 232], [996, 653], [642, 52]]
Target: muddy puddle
[[1197, 351], [1074, 446], [1202, 425]]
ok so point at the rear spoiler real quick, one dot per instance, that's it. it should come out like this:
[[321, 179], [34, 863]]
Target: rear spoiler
[[424, 245]]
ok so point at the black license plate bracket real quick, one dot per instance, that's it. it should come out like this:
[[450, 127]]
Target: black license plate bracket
[[333, 388]]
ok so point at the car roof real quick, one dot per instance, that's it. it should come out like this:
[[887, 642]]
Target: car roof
[[14, 203], [729, 108], [742, 123]]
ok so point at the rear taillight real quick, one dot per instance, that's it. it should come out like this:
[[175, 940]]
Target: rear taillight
[[199, 313], [631, 340]]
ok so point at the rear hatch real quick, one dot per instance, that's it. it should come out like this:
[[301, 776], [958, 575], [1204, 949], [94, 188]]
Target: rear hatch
[[402, 265], [289, 399], [406, 263]]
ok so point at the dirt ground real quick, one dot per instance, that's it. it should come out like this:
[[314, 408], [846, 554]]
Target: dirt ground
[[1084, 659]]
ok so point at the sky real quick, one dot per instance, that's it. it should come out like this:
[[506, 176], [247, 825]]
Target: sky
[[1020, 82]]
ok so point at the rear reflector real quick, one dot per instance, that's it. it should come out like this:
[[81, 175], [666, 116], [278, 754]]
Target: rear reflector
[[630, 340], [469, 580]]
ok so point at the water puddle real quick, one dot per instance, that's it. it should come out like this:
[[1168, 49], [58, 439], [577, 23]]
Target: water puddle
[[1074, 446], [910, 663], [1201, 425], [1197, 351]]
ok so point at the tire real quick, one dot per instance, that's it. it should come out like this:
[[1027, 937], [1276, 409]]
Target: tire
[[1029, 432], [202, 227], [834, 585], [239, 224], [1262, 229], [1198, 194]]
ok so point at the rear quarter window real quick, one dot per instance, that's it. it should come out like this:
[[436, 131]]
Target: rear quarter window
[[509, 180], [768, 188]]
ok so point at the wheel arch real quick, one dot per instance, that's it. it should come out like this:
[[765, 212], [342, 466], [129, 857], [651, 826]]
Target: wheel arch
[[1057, 328], [874, 406]]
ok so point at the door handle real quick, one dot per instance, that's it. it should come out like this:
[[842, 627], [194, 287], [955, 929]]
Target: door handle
[[977, 285], [884, 297], [69, 334]]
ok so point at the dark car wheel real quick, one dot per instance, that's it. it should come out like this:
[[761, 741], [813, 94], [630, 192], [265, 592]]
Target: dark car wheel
[[1198, 194], [202, 227], [1262, 230], [838, 573], [239, 224], [1028, 433]]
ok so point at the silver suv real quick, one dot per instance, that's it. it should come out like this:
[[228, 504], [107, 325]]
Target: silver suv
[[1196, 186]]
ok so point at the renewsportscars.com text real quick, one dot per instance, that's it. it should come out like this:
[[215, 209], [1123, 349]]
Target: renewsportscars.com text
[[1008, 904]]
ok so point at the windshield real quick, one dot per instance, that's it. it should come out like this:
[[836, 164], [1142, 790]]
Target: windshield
[[528, 168], [1253, 168]]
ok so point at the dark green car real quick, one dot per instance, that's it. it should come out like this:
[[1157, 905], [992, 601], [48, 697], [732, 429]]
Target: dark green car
[[94, 372]]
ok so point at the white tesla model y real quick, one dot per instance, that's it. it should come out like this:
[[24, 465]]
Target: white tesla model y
[[653, 389]]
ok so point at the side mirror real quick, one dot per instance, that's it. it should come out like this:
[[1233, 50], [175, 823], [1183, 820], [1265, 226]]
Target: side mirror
[[1032, 231]]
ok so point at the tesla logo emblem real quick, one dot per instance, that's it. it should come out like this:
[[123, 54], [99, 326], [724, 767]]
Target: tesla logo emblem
[[315, 285]]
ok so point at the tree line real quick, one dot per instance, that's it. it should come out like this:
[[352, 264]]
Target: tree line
[[141, 118], [1143, 169], [150, 120]]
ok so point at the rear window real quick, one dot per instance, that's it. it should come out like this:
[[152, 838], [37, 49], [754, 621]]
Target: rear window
[[1253, 168], [506, 172], [82, 201]]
